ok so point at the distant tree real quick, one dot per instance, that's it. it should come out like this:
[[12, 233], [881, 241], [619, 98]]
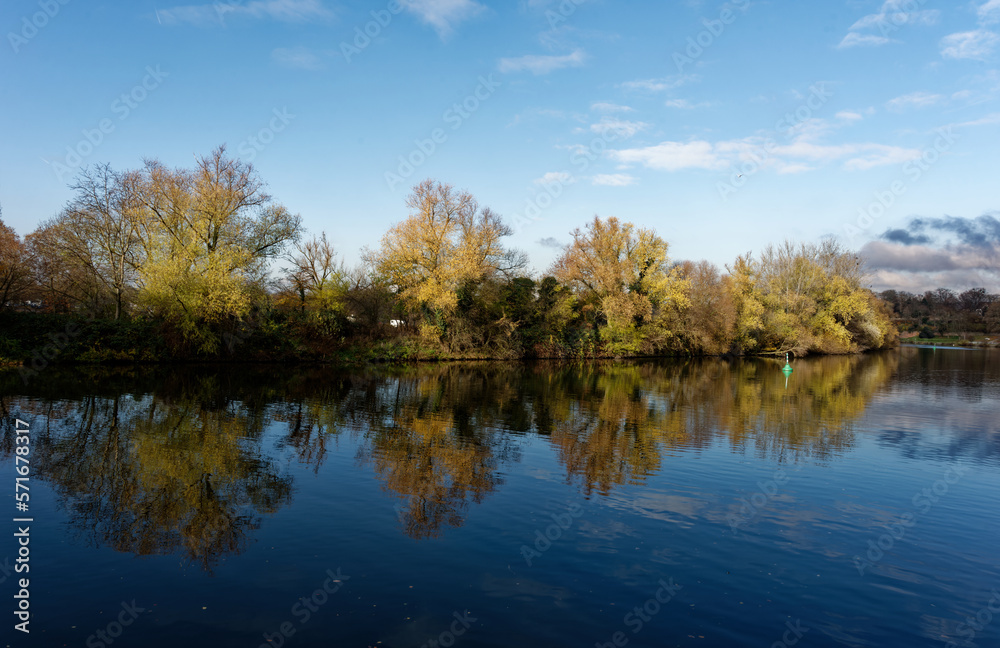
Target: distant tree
[[975, 300], [15, 267], [370, 300], [318, 277]]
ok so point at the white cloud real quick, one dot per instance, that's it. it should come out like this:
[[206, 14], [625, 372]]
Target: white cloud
[[854, 39], [803, 153], [893, 16], [913, 100], [659, 85], [297, 57], [556, 177], [847, 115], [443, 15], [620, 127], [989, 12], [977, 44], [613, 180], [684, 104], [674, 156], [219, 12], [542, 64], [869, 156], [987, 120], [610, 108]]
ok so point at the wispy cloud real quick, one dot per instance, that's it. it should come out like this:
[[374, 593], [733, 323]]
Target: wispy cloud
[[913, 100], [804, 152], [977, 45], [217, 13], [541, 64], [613, 180], [297, 57], [620, 127], [550, 242], [556, 177], [662, 84], [873, 30], [443, 15], [848, 115], [989, 12], [684, 104], [987, 120], [854, 39], [612, 108]]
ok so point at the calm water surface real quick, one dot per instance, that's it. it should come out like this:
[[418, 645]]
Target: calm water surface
[[699, 503]]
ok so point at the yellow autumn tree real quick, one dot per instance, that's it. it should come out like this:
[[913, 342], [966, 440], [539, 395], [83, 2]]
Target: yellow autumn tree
[[209, 236], [446, 241], [624, 272], [807, 298]]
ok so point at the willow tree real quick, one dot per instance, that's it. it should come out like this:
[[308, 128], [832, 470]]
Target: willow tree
[[624, 272], [209, 236], [808, 298], [446, 242]]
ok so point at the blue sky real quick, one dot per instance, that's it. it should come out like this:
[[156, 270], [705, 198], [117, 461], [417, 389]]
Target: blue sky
[[724, 126]]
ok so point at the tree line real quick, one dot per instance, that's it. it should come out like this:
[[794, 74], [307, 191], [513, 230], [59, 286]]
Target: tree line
[[942, 311], [206, 260]]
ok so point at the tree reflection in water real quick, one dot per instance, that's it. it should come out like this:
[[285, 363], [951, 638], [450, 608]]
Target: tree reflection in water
[[166, 461]]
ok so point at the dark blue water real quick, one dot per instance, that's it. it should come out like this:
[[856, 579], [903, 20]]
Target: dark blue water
[[702, 503]]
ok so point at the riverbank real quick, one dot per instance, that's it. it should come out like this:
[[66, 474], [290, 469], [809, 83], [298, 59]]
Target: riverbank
[[35, 340]]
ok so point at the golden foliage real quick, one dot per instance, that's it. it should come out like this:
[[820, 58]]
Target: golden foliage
[[447, 240]]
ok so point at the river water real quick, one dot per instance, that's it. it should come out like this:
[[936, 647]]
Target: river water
[[852, 502]]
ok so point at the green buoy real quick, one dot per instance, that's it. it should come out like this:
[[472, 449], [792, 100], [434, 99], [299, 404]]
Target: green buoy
[[787, 369]]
